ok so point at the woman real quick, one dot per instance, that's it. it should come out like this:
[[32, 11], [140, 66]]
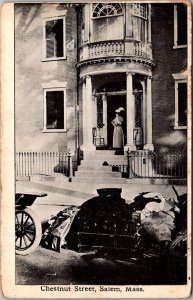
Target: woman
[[118, 136]]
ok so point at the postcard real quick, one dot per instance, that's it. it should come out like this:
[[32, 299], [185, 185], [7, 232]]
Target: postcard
[[96, 149]]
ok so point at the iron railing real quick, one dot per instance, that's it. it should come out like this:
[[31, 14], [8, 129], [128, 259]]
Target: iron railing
[[44, 163], [154, 164], [140, 164]]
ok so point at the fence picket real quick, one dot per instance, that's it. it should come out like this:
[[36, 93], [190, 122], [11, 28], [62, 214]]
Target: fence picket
[[140, 164]]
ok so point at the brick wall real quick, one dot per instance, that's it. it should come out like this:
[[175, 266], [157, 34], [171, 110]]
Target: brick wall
[[167, 62]]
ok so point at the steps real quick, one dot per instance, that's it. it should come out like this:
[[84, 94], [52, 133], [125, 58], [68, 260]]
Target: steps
[[92, 169]]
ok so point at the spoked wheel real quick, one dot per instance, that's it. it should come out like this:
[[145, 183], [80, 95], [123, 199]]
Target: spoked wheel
[[28, 231], [177, 259]]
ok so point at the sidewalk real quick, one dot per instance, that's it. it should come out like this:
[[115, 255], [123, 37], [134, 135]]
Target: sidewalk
[[61, 194]]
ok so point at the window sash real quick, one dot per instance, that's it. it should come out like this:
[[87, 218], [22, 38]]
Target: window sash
[[52, 51], [105, 10], [179, 118], [51, 125], [178, 28]]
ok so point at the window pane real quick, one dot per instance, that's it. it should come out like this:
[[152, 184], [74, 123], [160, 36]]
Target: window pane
[[182, 104], [50, 39], [182, 24], [59, 37], [139, 29], [55, 110], [54, 38], [108, 28], [107, 9]]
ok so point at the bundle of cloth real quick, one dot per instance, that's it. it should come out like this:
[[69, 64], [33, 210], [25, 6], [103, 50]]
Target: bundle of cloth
[[158, 215]]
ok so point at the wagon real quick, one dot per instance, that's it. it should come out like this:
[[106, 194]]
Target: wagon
[[28, 229]]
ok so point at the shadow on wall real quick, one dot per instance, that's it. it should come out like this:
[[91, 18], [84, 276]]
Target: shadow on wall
[[25, 15], [63, 167]]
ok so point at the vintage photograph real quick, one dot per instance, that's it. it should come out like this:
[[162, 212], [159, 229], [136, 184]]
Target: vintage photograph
[[101, 106]]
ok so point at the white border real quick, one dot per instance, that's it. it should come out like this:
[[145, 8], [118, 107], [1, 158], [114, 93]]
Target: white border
[[9, 289]]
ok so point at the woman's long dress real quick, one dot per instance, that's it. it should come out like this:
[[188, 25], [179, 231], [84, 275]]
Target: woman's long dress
[[118, 136]]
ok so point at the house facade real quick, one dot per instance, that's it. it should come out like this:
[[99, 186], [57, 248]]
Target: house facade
[[75, 65]]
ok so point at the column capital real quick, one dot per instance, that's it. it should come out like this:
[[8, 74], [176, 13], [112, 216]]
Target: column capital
[[149, 77], [87, 76], [130, 73], [104, 97], [83, 79]]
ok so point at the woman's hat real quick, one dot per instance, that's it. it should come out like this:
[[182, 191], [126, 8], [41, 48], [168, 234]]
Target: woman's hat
[[119, 110]]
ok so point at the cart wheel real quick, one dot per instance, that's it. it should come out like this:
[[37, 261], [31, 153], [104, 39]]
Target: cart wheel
[[28, 231], [177, 259]]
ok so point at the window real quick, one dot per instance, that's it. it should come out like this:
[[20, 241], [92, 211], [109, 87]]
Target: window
[[54, 108], [180, 25], [180, 101], [54, 38], [139, 21], [82, 25], [107, 21], [107, 10]]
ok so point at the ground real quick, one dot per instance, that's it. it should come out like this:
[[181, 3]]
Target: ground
[[45, 266], [68, 267]]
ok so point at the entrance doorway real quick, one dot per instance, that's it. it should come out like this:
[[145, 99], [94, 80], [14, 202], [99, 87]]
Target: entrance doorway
[[113, 103]]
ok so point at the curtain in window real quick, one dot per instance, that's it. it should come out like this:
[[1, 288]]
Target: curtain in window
[[139, 29], [110, 28]]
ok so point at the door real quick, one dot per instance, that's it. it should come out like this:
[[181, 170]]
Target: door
[[113, 103]]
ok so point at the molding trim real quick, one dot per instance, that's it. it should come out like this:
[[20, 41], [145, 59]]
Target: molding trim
[[54, 84], [118, 70], [180, 127], [179, 46], [52, 14], [179, 76]]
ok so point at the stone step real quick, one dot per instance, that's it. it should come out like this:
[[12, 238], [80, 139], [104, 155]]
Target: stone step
[[99, 163], [97, 174], [94, 168], [99, 180], [105, 152], [106, 157]]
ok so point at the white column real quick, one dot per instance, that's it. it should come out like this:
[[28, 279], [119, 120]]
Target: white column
[[94, 111], [144, 111], [149, 144], [130, 105], [84, 112], [89, 137], [105, 118]]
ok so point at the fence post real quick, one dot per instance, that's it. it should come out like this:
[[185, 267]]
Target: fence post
[[129, 165], [70, 169]]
